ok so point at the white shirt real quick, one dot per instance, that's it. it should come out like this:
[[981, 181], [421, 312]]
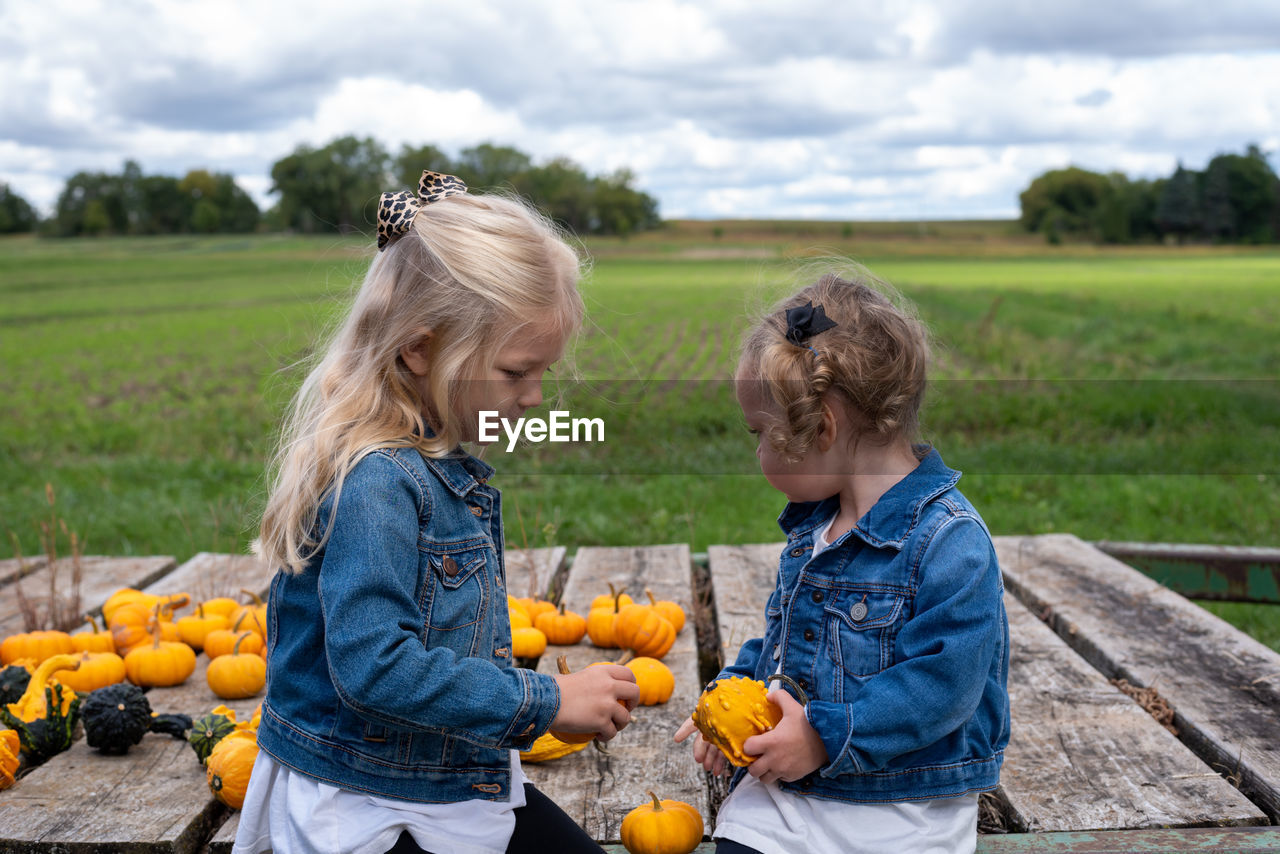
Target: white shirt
[[764, 817], [291, 812]]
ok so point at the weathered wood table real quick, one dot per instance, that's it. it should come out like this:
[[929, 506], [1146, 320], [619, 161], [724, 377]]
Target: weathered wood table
[[1088, 768]]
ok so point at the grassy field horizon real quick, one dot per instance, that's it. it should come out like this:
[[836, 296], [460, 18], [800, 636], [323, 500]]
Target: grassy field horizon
[[1121, 393]]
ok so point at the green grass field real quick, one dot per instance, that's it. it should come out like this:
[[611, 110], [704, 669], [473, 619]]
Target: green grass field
[[1123, 394]]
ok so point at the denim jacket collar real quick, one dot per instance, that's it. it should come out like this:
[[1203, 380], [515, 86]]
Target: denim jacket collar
[[890, 521], [459, 471]]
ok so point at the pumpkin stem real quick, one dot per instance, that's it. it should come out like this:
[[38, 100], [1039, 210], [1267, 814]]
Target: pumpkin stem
[[626, 656], [790, 683], [562, 663], [657, 804], [93, 624], [649, 593], [257, 600], [235, 650]]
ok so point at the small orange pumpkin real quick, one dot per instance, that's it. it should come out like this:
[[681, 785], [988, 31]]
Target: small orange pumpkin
[[96, 670], [655, 680], [10, 746], [672, 611], [230, 765], [160, 663], [255, 614], [600, 626], [222, 641], [194, 628], [237, 675], [95, 640], [614, 597], [528, 643], [641, 628], [562, 628], [38, 645], [662, 827]]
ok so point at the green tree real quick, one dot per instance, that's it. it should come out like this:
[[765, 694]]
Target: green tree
[[334, 188], [91, 203], [16, 213], [621, 209], [1064, 202], [564, 191], [1178, 210], [410, 163], [488, 166], [1240, 197]]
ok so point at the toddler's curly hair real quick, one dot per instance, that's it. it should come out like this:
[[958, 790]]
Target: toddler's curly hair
[[874, 361]]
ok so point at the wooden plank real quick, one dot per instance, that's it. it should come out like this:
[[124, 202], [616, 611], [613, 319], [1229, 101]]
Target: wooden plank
[[144, 801], [101, 576], [535, 572], [742, 577], [208, 575], [225, 837], [1223, 685], [12, 568], [598, 790], [1210, 840], [1084, 756]]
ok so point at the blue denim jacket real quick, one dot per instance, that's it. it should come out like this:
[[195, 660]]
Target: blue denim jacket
[[898, 634], [389, 659]]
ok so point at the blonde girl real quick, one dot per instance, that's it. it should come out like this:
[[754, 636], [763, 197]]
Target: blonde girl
[[393, 713], [887, 610]]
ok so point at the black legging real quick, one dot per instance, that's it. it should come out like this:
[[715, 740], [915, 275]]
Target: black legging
[[537, 821]]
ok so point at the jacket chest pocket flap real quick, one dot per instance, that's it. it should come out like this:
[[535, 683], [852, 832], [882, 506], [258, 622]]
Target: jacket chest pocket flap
[[861, 626], [458, 589]]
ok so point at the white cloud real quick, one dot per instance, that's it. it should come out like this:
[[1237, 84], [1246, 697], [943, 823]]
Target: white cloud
[[918, 108]]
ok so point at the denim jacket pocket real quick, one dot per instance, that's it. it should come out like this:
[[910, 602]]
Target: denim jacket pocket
[[456, 599], [860, 628]]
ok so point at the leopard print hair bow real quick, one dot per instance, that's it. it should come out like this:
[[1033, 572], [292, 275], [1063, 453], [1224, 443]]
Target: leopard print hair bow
[[396, 210]]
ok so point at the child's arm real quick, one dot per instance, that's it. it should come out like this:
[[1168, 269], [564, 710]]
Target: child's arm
[[596, 699], [945, 654]]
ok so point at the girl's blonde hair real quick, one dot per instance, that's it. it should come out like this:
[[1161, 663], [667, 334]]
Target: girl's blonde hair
[[875, 361], [474, 271]]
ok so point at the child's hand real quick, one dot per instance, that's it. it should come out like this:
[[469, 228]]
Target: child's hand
[[705, 753], [790, 750], [596, 699]]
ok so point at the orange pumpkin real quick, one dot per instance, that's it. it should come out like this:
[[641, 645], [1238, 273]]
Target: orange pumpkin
[[614, 597], [254, 614], [222, 641], [662, 827], [535, 607], [673, 612], [39, 645], [655, 680], [10, 745], [641, 628], [194, 628], [223, 606], [237, 675], [528, 643], [562, 628], [600, 626], [230, 765], [96, 670], [160, 663], [95, 640]]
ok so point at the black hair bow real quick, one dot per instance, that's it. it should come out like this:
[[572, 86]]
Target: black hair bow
[[806, 321]]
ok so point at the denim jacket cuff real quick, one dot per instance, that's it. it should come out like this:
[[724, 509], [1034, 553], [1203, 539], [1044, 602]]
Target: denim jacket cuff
[[834, 724], [540, 707]]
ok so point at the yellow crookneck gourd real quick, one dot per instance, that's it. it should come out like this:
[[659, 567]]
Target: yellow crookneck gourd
[[33, 704]]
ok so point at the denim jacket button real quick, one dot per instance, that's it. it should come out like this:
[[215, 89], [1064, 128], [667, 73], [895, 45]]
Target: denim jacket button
[[450, 566], [808, 634], [797, 552], [817, 596], [858, 612]]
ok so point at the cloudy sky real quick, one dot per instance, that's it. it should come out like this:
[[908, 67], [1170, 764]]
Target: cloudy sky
[[835, 109]]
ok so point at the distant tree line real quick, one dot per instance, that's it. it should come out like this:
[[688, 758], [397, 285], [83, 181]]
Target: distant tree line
[[330, 189], [1236, 199], [336, 188]]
